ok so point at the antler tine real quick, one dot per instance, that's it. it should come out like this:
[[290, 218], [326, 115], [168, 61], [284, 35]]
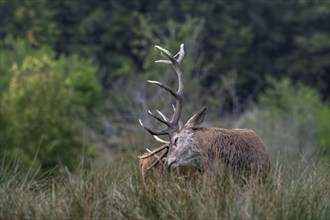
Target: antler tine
[[172, 60], [161, 140], [169, 55], [163, 86], [163, 116], [154, 151], [158, 118], [161, 132], [163, 61], [155, 155], [158, 159], [181, 54], [174, 110], [173, 106]]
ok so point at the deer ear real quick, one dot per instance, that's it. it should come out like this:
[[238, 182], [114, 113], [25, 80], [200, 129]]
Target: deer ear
[[196, 120]]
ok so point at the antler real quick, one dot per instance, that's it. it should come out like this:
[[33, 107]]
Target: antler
[[172, 125], [163, 148], [151, 153]]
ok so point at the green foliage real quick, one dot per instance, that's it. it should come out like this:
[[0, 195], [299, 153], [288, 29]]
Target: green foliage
[[292, 120], [15, 50], [80, 74], [252, 39], [39, 117], [31, 20]]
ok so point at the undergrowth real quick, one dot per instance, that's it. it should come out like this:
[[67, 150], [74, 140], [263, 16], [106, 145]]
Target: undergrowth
[[116, 191]]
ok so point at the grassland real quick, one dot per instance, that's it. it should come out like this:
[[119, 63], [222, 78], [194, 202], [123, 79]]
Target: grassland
[[115, 191]]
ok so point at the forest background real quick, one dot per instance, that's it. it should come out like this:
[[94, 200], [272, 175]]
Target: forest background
[[73, 75]]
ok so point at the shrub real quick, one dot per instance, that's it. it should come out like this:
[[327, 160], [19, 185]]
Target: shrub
[[80, 74], [15, 51], [39, 117], [292, 120]]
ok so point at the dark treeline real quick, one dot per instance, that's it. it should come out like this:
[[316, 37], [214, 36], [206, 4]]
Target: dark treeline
[[243, 40]]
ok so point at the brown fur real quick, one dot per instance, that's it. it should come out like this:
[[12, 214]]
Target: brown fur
[[145, 163], [240, 149], [237, 150]]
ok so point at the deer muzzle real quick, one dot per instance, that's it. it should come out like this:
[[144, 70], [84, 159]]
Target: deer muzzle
[[170, 163]]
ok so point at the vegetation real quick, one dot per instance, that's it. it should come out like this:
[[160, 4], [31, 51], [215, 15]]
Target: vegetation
[[116, 192], [72, 86], [43, 109], [293, 122]]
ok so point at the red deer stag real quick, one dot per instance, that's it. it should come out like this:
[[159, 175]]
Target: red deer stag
[[191, 145]]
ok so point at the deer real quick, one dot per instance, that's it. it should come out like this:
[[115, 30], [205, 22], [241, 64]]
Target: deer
[[145, 164], [151, 166], [240, 151]]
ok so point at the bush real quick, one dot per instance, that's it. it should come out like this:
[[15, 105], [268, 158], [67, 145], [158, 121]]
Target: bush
[[15, 51], [293, 121], [80, 74], [39, 117]]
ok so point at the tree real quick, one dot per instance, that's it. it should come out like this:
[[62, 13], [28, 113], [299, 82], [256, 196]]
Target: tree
[[31, 20], [40, 116]]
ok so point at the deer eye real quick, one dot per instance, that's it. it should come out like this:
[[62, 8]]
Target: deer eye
[[176, 141]]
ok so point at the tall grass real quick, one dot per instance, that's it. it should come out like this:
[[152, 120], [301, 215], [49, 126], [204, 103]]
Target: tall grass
[[117, 192]]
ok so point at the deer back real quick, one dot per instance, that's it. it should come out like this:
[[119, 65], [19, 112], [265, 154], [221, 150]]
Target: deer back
[[240, 149]]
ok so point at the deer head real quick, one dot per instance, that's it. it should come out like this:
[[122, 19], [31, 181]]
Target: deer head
[[185, 150]]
